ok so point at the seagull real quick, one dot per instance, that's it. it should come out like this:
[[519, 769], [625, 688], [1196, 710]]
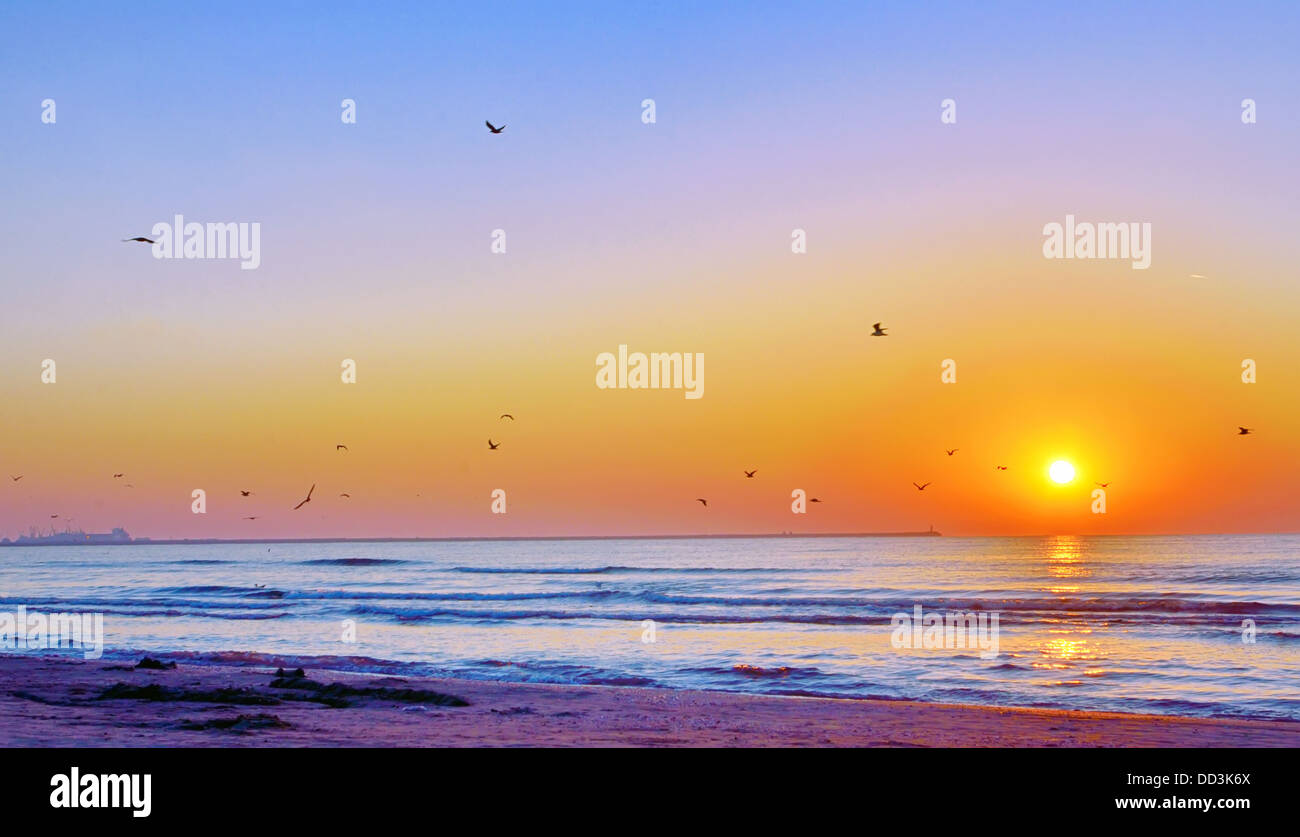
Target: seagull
[[1000, 467], [1103, 484], [750, 474], [494, 129], [951, 452], [920, 487], [702, 501], [307, 499], [243, 493], [493, 445], [879, 332], [1243, 431], [340, 447], [141, 239], [507, 415], [17, 478]]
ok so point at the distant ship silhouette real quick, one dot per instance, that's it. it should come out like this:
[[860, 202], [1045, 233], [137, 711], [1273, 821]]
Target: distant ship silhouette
[[69, 537]]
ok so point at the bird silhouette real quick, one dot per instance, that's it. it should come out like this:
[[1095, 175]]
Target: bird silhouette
[[142, 239], [879, 332], [17, 478], [349, 496], [702, 501], [1103, 484], [1000, 467], [1243, 431], [243, 493], [307, 499], [254, 517], [340, 447], [951, 452], [53, 516], [814, 500], [920, 487], [750, 474], [118, 476], [494, 129], [507, 415], [493, 445]]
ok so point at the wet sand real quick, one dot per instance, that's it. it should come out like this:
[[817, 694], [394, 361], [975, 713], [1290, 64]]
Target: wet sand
[[61, 702]]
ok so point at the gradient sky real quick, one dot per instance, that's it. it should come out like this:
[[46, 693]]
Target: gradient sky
[[666, 237]]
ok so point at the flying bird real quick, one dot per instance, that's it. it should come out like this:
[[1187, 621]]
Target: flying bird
[[1000, 467], [17, 478], [243, 493], [920, 487], [814, 500], [507, 415], [118, 476], [494, 129], [53, 516], [307, 499], [1243, 431], [879, 332], [340, 447], [1103, 484], [702, 501], [493, 445], [951, 452], [750, 474], [251, 518], [141, 239], [349, 496]]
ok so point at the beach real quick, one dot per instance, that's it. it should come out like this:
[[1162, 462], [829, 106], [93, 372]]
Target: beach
[[60, 702]]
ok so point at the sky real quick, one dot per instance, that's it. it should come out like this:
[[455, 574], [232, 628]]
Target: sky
[[673, 236]]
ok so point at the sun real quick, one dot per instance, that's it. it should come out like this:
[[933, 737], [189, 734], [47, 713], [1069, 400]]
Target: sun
[[1061, 472]]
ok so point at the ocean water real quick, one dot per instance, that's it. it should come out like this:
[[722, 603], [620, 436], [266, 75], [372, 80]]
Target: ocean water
[[1150, 624]]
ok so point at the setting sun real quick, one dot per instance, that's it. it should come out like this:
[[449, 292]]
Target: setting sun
[[1061, 472]]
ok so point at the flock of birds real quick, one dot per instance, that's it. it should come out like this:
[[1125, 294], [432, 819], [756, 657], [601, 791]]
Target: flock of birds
[[878, 330]]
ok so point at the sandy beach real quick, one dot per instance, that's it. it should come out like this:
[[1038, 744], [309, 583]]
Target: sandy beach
[[75, 703]]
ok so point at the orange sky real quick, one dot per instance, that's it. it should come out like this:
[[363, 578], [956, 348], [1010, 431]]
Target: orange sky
[[673, 236]]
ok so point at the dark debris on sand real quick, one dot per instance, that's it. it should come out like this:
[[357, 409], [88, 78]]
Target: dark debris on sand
[[157, 692], [239, 723], [154, 665], [339, 695], [294, 686]]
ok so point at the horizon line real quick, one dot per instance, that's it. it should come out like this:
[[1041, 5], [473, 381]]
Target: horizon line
[[724, 536]]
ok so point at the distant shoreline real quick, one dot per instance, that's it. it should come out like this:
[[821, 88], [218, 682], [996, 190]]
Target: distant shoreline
[[464, 539]]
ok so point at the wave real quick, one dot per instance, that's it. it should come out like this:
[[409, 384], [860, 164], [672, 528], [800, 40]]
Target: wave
[[351, 562], [222, 589], [627, 569], [198, 561]]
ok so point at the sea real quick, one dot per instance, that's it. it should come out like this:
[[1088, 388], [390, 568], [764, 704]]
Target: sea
[[1200, 625]]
